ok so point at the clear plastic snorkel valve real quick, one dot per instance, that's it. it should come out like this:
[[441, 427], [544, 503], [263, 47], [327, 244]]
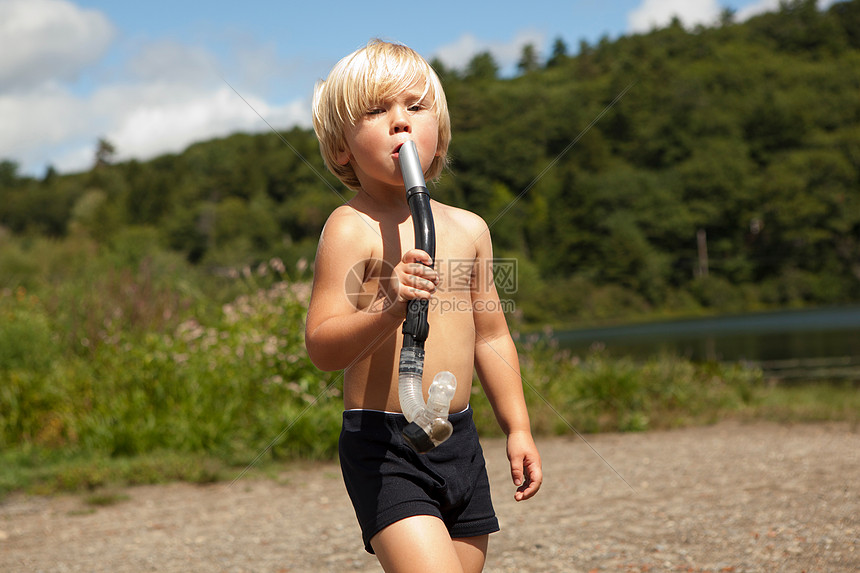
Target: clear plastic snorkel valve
[[428, 423]]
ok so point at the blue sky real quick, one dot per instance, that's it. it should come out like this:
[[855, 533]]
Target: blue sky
[[152, 76]]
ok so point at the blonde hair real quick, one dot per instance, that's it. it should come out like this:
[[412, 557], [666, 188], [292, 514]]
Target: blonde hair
[[374, 73]]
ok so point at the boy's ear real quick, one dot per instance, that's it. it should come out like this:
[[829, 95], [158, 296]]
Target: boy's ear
[[343, 156]]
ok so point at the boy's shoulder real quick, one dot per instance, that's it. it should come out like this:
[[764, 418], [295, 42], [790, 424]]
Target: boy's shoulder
[[346, 221], [469, 222], [350, 229]]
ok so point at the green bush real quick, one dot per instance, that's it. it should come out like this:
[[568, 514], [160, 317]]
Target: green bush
[[26, 340], [229, 386], [233, 382], [596, 393]]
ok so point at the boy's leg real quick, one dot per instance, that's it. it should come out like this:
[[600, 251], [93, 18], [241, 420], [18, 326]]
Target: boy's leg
[[472, 552], [421, 543]]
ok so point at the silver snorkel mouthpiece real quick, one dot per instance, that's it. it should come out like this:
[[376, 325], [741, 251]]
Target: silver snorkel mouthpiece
[[410, 167]]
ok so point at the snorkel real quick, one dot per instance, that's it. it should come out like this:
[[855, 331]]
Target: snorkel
[[428, 423]]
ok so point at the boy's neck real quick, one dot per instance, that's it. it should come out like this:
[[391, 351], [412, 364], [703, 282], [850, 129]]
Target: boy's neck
[[379, 200]]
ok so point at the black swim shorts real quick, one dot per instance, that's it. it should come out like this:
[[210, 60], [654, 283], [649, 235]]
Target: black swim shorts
[[388, 481]]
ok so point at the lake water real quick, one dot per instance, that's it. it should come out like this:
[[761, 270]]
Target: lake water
[[820, 343]]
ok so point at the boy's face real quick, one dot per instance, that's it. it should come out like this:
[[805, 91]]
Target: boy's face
[[373, 142]]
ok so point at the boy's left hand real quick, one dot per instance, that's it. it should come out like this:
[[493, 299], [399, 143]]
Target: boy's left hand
[[526, 470]]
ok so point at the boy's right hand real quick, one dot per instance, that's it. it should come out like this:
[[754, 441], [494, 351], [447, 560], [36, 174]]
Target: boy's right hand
[[416, 279]]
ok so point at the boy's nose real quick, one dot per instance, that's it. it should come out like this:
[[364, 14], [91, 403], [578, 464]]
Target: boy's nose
[[400, 122]]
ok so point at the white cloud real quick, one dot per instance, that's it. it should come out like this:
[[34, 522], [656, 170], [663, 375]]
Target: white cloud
[[459, 53], [141, 120], [165, 120], [171, 61], [163, 98], [762, 6], [44, 116], [658, 13], [50, 125], [47, 40], [75, 158], [259, 67], [756, 8]]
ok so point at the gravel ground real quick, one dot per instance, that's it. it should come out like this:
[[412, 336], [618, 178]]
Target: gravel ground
[[731, 497]]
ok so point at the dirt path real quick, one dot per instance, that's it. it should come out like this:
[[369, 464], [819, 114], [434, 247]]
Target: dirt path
[[731, 497]]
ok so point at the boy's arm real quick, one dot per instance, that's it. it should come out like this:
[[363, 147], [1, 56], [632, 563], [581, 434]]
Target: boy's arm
[[338, 332], [498, 368]]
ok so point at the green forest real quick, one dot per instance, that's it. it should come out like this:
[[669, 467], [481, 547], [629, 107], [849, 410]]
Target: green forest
[[151, 306], [676, 171]]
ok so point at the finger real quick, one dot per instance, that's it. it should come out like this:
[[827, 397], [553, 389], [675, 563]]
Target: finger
[[530, 486], [517, 472], [413, 287], [526, 490], [422, 271], [520, 494], [418, 276], [408, 293], [417, 256], [419, 282]]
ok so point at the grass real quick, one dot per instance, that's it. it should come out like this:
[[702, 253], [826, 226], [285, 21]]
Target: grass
[[105, 498], [821, 401], [45, 471], [149, 375], [609, 395]]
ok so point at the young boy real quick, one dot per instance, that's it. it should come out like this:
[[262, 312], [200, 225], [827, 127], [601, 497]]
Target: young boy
[[417, 512]]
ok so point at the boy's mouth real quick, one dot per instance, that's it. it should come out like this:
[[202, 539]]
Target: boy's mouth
[[397, 150]]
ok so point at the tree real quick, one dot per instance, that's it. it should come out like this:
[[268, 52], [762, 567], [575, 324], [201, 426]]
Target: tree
[[8, 174], [559, 53], [848, 16], [105, 152], [528, 60], [443, 71], [50, 175], [482, 67]]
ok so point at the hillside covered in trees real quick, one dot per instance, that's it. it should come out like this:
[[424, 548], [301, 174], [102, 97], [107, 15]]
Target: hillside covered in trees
[[679, 171]]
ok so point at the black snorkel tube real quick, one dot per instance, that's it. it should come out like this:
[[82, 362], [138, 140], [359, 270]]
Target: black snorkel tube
[[428, 423]]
